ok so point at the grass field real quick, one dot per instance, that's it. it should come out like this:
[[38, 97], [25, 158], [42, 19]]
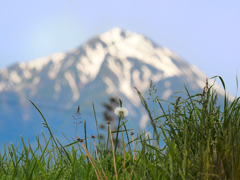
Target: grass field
[[199, 140]]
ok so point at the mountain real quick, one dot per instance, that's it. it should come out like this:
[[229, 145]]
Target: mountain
[[110, 64]]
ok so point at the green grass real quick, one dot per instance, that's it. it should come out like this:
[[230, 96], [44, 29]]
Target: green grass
[[197, 137]]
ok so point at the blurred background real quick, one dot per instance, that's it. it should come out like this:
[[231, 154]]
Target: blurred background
[[204, 33]]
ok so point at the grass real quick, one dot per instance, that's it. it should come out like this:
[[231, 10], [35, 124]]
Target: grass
[[197, 137]]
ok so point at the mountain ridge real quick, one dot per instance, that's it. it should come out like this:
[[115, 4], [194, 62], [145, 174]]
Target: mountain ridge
[[110, 64]]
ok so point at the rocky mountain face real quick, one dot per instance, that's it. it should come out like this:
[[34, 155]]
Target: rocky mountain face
[[110, 64]]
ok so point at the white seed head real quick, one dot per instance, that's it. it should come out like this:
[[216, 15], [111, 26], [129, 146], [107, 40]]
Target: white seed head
[[121, 111]]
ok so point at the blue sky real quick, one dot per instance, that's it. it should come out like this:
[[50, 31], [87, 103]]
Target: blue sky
[[205, 33]]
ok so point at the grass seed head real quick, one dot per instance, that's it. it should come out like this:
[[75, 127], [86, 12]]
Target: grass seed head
[[79, 139]]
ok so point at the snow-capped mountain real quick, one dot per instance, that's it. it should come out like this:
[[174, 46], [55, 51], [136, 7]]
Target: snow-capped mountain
[[110, 64]]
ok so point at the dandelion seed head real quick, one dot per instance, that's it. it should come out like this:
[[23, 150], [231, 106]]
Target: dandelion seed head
[[121, 111]]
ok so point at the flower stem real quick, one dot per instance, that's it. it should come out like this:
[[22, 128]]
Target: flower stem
[[134, 156], [98, 158], [91, 161], [114, 160], [124, 154], [116, 142]]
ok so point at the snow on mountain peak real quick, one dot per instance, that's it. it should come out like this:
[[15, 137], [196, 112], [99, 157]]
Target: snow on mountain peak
[[89, 64], [111, 36], [125, 44], [39, 63]]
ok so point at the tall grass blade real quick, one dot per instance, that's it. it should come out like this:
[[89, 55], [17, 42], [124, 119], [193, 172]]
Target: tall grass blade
[[46, 124], [144, 103]]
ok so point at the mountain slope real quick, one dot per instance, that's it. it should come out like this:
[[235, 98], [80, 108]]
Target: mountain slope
[[110, 64]]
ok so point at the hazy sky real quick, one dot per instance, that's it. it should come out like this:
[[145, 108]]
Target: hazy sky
[[205, 33]]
